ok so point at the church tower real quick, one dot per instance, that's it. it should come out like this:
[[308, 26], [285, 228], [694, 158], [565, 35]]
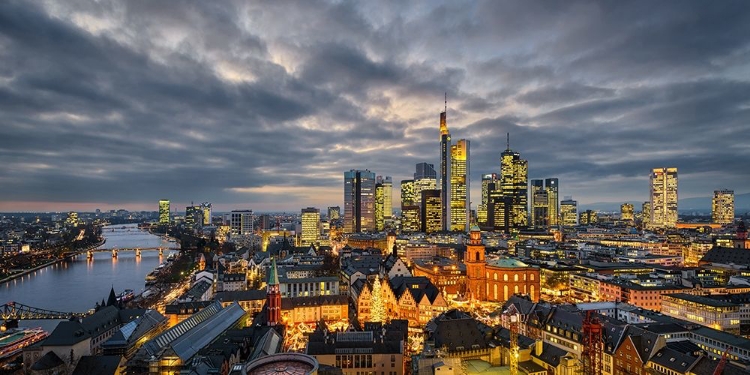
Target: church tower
[[273, 296], [475, 266]]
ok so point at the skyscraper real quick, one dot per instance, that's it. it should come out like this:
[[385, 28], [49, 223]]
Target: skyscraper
[[379, 205], [206, 208], [539, 204], [410, 219], [460, 204], [722, 207], [241, 222], [425, 178], [310, 226], [445, 168], [431, 211], [663, 198], [513, 183], [569, 212], [193, 216], [627, 212], [387, 197], [646, 214], [407, 193], [334, 213], [359, 201], [552, 186], [164, 211], [488, 183]]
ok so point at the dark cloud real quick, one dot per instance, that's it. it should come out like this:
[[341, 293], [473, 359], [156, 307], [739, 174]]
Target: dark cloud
[[266, 105]]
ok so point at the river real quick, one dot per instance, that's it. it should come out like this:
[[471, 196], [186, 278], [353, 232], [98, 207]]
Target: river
[[77, 285]]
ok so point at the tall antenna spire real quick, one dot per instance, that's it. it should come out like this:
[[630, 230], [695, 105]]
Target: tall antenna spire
[[446, 102], [508, 140]]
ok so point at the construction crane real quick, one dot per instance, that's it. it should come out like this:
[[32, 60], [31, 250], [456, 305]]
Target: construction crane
[[593, 346], [722, 362], [512, 319]]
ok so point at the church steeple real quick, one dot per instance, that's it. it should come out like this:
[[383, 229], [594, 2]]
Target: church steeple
[[273, 295]]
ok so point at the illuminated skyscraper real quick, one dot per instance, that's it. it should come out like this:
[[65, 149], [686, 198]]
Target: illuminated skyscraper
[[722, 208], [552, 186], [387, 197], [379, 206], [310, 226], [488, 183], [407, 193], [627, 212], [206, 212], [569, 212], [663, 198], [513, 183], [646, 214], [445, 168], [431, 211], [425, 178], [410, 219], [588, 217], [359, 201], [164, 211], [241, 222], [460, 204], [193, 216], [539, 204]]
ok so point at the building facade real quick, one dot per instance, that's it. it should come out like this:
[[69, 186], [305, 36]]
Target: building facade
[[241, 222], [164, 211], [488, 183], [310, 226], [722, 207], [460, 202], [445, 169], [663, 190], [569, 212], [431, 211], [359, 201]]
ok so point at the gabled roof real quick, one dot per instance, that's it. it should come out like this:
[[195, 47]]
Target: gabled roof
[[97, 365], [418, 286], [551, 354], [674, 360]]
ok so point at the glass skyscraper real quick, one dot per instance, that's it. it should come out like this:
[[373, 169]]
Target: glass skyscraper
[[359, 201]]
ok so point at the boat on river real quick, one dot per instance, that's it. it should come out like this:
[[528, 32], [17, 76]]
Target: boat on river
[[14, 340]]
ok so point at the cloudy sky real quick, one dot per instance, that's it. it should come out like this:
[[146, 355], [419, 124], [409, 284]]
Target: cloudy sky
[[264, 104]]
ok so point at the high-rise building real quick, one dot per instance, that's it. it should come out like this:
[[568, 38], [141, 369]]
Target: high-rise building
[[164, 211], [241, 222], [663, 198], [407, 193], [410, 221], [193, 216], [722, 207], [379, 206], [539, 204], [264, 222], [206, 212], [425, 170], [310, 226], [552, 186], [646, 214], [588, 217], [387, 197], [359, 201], [334, 213], [499, 209], [431, 215], [488, 179], [514, 184], [445, 168], [569, 212], [627, 212], [460, 204]]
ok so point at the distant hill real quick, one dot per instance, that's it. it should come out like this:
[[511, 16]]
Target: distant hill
[[741, 204]]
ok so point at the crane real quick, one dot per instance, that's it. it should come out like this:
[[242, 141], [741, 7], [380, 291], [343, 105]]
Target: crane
[[722, 362], [512, 319], [593, 346]]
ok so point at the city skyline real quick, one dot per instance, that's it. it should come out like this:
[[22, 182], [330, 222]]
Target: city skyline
[[119, 105]]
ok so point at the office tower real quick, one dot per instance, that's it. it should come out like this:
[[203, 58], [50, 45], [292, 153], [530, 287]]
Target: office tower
[[387, 197], [722, 207], [432, 211], [264, 222], [539, 204], [425, 178], [552, 186], [513, 183], [487, 180], [646, 214], [460, 204], [663, 198], [72, 219], [164, 211], [206, 213], [407, 193], [310, 226], [241, 222], [627, 212], [193, 216], [569, 212], [379, 206], [359, 201], [445, 167], [499, 210], [334, 213], [588, 217], [410, 219]]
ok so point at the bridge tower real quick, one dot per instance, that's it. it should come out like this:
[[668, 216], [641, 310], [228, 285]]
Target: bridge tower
[[137, 253], [114, 253], [161, 251], [90, 254]]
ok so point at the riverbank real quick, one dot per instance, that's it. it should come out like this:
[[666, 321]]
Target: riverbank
[[50, 263]]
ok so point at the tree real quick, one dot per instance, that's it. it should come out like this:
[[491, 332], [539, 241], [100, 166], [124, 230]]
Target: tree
[[378, 308]]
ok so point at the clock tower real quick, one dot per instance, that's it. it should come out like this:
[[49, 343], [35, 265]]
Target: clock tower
[[475, 266]]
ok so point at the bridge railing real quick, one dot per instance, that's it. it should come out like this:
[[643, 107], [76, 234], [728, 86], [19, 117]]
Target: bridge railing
[[18, 311]]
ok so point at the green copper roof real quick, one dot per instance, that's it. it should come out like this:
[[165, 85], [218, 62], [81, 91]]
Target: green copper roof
[[474, 228], [507, 263], [273, 275]]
